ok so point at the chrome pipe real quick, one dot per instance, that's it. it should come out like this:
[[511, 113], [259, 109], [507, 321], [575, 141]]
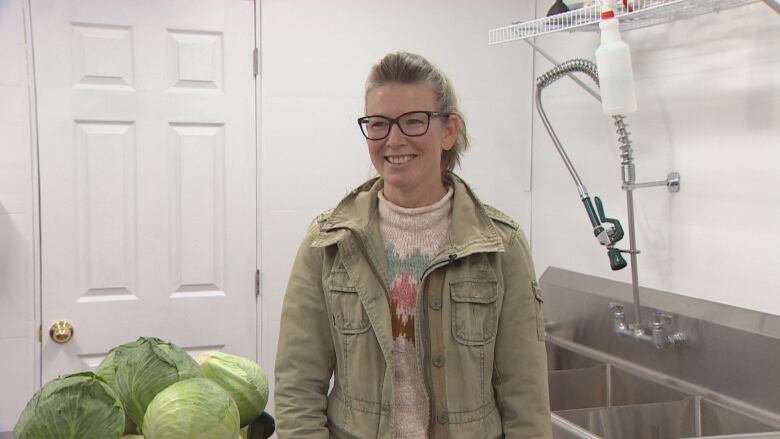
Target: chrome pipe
[[573, 172], [672, 183], [632, 254], [648, 184], [629, 178], [558, 72]]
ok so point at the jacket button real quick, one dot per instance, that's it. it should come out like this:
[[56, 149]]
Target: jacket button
[[436, 303], [438, 360], [443, 417]]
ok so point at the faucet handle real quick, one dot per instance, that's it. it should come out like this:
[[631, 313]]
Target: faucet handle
[[616, 307], [616, 231], [661, 316]]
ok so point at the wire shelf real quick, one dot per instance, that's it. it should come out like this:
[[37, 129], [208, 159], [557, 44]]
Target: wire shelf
[[638, 14]]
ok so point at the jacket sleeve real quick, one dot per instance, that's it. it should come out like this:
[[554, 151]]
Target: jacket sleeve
[[305, 356], [520, 367]]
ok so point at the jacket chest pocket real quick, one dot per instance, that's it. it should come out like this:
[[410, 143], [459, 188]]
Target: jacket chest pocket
[[349, 316], [474, 314]]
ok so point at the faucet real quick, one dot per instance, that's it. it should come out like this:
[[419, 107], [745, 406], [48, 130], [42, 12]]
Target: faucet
[[660, 339], [608, 231], [658, 335]]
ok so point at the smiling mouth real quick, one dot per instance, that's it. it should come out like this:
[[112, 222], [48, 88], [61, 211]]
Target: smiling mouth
[[399, 159]]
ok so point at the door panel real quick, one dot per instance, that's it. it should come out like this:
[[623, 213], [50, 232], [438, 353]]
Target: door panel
[[147, 167]]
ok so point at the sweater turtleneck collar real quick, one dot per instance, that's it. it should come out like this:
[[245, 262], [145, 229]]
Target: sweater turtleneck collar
[[415, 218]]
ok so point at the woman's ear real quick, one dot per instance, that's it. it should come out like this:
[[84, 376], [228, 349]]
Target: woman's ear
[[451, 128]]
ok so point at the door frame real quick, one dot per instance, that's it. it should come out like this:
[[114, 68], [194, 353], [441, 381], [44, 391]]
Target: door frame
[[36, 195], [259, 317]]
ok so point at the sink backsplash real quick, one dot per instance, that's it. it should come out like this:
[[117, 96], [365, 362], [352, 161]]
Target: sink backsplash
[[730, 354]]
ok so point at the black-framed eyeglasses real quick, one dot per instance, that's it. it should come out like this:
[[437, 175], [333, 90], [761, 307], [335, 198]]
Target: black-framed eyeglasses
[[412, 124]]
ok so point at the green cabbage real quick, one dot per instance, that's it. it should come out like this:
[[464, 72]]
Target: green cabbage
[[197, 408], [107, 371], [147, 369], [107, 368], [77, 406], [243, 379]]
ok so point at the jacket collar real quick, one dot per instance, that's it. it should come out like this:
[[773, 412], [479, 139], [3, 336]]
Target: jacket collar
[[472, 228]]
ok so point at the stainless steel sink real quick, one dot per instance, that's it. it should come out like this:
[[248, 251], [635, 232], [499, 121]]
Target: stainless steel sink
[[720, 382], [687, 418], [591, 398]]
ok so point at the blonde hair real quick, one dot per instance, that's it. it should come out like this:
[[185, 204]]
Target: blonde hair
[[410, 68]]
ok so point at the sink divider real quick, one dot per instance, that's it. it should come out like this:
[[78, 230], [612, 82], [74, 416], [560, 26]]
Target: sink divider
[[608, 384], [564, 425], [767, 435], [697, 416]]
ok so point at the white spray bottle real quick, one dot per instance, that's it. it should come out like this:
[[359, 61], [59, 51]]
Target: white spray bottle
[[613, 59]]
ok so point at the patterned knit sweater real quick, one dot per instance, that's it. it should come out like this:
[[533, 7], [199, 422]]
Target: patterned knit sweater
[[412, 237]]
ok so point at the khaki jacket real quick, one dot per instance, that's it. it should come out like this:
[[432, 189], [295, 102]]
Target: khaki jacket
[[480, 337]]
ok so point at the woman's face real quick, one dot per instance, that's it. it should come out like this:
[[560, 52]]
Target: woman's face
[[410, 166]]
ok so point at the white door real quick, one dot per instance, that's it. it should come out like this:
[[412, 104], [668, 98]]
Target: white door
[[146, 115]]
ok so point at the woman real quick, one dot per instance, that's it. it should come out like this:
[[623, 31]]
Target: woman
[[419, 300]]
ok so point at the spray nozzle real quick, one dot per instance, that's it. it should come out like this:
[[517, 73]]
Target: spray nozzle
[[607, 7]]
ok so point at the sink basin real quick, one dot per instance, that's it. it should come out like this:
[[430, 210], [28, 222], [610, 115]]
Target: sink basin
[[577, 381], [560, 358], [604, 386], [595, 399], [690, 417]]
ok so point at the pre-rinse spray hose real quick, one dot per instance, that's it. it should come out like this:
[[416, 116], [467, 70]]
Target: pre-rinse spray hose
[[605, 237]]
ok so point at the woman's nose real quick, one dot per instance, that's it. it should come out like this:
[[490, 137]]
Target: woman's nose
[[396, 136]]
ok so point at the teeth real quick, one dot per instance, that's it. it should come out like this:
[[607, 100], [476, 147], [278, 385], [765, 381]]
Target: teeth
[[399, 159]]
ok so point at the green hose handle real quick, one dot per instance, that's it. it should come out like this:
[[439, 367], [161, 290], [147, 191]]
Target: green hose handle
[[618, 235], [616, 260]]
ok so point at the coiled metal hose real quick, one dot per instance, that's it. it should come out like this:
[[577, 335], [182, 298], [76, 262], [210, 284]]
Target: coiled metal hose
[[626, 152], [573, 65]]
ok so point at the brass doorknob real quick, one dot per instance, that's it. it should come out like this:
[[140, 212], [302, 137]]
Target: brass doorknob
[[61, 332]]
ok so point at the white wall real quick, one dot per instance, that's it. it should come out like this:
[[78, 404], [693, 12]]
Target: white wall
[[17, 285], [316, 56], [709, 107], [708, 92]]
